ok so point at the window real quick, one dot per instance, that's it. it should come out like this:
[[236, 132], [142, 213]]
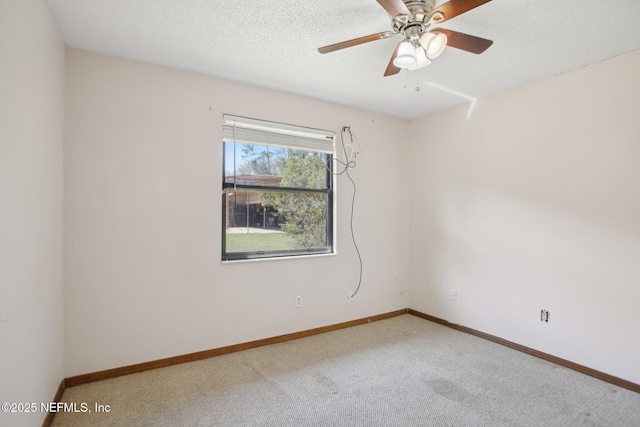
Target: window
[[277, 190]]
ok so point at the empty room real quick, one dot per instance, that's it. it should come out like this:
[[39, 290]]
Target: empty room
[[358, 213]]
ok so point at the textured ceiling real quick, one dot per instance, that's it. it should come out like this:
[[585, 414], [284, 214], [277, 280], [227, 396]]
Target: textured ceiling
[[273, 43]]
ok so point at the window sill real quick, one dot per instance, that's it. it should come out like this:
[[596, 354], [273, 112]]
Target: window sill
[[281, 258]]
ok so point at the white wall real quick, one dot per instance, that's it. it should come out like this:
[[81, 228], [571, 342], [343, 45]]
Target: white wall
[[530, 203], [31, 105], [143, 171]]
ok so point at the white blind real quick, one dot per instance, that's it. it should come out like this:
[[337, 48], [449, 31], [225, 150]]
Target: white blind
[[253, 131]]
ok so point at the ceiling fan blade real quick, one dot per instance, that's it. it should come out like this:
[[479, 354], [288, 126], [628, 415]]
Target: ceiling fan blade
[[396, 8], [392, 69], [464, 41], [355, 42], [453, 8]]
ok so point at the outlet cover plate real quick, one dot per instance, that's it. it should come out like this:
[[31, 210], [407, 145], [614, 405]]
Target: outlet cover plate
[[544, 315]]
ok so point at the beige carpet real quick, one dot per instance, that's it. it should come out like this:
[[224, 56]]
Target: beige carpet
[[404, 371]]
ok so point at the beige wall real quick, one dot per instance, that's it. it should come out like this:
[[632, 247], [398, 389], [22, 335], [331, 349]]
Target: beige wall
[[31, 305], [143, 185], [530, 202]]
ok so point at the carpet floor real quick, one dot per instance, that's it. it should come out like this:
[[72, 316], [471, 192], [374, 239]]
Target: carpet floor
[[403, 371]]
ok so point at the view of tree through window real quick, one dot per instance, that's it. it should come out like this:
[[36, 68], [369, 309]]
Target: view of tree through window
[[277, 201]]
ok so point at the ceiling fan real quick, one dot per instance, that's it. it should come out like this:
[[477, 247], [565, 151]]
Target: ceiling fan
[[412, 19]]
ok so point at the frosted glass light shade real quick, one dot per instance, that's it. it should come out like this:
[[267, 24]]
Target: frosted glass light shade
[[433, 44], [406, 56], [421, 59]]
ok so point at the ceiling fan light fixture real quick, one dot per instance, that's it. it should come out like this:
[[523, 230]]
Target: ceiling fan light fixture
[[421, 59], [433, 44], [406, 56]]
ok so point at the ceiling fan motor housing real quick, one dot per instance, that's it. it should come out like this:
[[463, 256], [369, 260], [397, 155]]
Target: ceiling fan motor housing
[[414, 27], [420, 9]]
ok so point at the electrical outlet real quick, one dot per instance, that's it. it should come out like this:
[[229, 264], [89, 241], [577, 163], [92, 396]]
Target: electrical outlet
[[544, 315], [453, 295], [299, 301]]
